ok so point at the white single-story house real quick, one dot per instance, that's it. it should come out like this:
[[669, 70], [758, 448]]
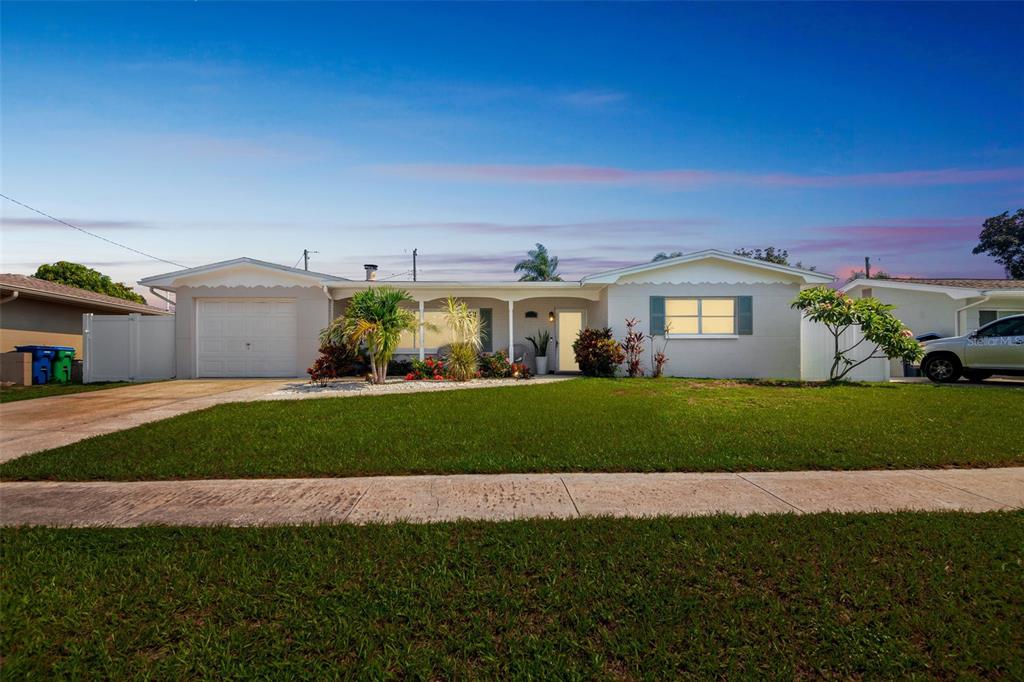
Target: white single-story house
[[944, 307], [726, 315]]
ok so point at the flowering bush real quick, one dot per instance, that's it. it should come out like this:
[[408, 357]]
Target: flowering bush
[[520, 370], [494, 365], [429, 369], [597, 353]]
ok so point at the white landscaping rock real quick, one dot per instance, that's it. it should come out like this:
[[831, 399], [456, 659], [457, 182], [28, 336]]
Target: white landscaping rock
[[344, 388]]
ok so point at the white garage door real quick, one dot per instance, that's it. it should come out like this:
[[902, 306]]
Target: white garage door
[[248, 337]]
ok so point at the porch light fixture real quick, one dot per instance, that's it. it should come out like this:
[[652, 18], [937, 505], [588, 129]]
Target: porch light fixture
[[551, 316]]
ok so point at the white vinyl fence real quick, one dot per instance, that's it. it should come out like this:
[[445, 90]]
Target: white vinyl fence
[[817, 348], [127, 347]]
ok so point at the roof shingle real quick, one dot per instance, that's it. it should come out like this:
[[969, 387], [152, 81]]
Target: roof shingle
[[965, 283], [73, 294]]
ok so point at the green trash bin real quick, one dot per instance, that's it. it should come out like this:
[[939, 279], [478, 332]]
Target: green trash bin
[[61, 365]]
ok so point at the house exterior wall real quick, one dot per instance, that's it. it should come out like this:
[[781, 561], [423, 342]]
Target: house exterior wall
[[312, 315], [26, 321], [920, 311], [772, 351], [969, 319]]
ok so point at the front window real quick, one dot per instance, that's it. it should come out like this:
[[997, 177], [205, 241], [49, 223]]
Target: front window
[[700, 316], [434, 338]]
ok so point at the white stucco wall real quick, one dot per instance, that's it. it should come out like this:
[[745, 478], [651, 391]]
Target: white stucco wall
[[920, 311], [772, 351], [312, 315]]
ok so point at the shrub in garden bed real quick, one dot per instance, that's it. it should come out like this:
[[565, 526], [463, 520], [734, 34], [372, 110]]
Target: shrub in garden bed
[[494, 365], [336, 361], [430, 369], [597, 352]]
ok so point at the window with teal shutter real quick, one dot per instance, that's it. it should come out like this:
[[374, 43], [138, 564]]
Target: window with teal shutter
[[657, 315], [745, 315], [486, 329]]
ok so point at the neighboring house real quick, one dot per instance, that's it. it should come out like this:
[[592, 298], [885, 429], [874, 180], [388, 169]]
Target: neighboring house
[[947, 307], [727, 316], [43, 313]]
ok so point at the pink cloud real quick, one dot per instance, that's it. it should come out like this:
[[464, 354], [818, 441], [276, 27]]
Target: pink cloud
[[695, 178], [615, 226], [923, 234]]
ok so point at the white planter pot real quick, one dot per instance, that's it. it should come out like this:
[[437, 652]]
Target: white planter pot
[[542, 365]]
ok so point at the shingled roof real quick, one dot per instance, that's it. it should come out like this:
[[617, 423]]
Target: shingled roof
[[51, 290], [965, 283]]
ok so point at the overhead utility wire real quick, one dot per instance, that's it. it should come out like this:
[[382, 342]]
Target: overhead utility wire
[[92, 234]]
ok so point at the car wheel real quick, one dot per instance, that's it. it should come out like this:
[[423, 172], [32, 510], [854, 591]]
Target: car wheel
[[942, 369], [976, 376]]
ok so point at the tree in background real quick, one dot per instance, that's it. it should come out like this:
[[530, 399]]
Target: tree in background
[[538, 266], [877, 325], [661, 255], [1002, 237], [859, 274], [79, 276], [772, 255]]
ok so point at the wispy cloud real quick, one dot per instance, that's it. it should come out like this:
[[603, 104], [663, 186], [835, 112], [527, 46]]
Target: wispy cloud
[[894, 237], [592, 99], [29, 223], [690, 178]]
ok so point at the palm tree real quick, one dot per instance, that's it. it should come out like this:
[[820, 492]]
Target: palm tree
[[538, 266], [465, 326], [374, 317]]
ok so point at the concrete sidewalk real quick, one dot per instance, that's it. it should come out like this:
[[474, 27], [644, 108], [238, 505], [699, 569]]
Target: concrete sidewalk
[[422, 499]]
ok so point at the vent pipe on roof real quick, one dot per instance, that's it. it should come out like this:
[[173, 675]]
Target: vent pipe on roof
[[371, 272]]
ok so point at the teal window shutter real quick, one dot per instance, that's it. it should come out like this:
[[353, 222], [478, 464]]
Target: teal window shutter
[[657, 315], [486, 329], [745, 315]]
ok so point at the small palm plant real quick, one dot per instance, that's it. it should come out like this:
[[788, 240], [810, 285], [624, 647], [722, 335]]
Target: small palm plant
[[465, 326], [374, 318], [540, 343]]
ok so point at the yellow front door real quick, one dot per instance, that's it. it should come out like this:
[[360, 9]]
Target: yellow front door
[[569, 324]]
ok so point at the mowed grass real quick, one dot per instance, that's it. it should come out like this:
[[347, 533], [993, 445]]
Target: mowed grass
[[580, 425], [15, 393], [857, 596]]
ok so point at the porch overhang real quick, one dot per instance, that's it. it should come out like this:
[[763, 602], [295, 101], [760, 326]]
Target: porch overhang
[[502, 291]]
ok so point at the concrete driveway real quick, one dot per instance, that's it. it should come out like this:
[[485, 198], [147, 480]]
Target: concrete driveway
[[42, 423]]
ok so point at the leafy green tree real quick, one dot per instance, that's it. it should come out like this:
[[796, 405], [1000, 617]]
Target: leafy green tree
[[839, 312], [82, 277], [859, 274], [374, 318], [661, 255], [1002, 237], [538, 266]]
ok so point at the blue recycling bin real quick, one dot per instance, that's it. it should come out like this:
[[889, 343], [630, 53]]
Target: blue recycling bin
[[42, 361]]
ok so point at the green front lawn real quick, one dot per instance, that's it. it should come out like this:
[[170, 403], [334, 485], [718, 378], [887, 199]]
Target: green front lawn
[[13, 393], [857, 596], [581, 425]]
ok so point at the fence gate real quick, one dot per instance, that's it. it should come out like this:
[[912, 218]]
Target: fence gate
[[817, 348], [127, 347]]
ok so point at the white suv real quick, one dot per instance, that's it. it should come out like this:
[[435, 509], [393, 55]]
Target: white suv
[[996, 348]]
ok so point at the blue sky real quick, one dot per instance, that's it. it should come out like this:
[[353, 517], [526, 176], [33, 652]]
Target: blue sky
[[202, 132]]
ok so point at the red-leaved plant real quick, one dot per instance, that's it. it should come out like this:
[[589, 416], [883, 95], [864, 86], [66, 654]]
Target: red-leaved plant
[[633, 347]]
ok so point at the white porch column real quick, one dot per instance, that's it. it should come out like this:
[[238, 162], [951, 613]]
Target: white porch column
[[421, 333], [511, 331]]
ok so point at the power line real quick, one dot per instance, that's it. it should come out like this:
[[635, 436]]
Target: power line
[[396, 274], [92, 234]]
